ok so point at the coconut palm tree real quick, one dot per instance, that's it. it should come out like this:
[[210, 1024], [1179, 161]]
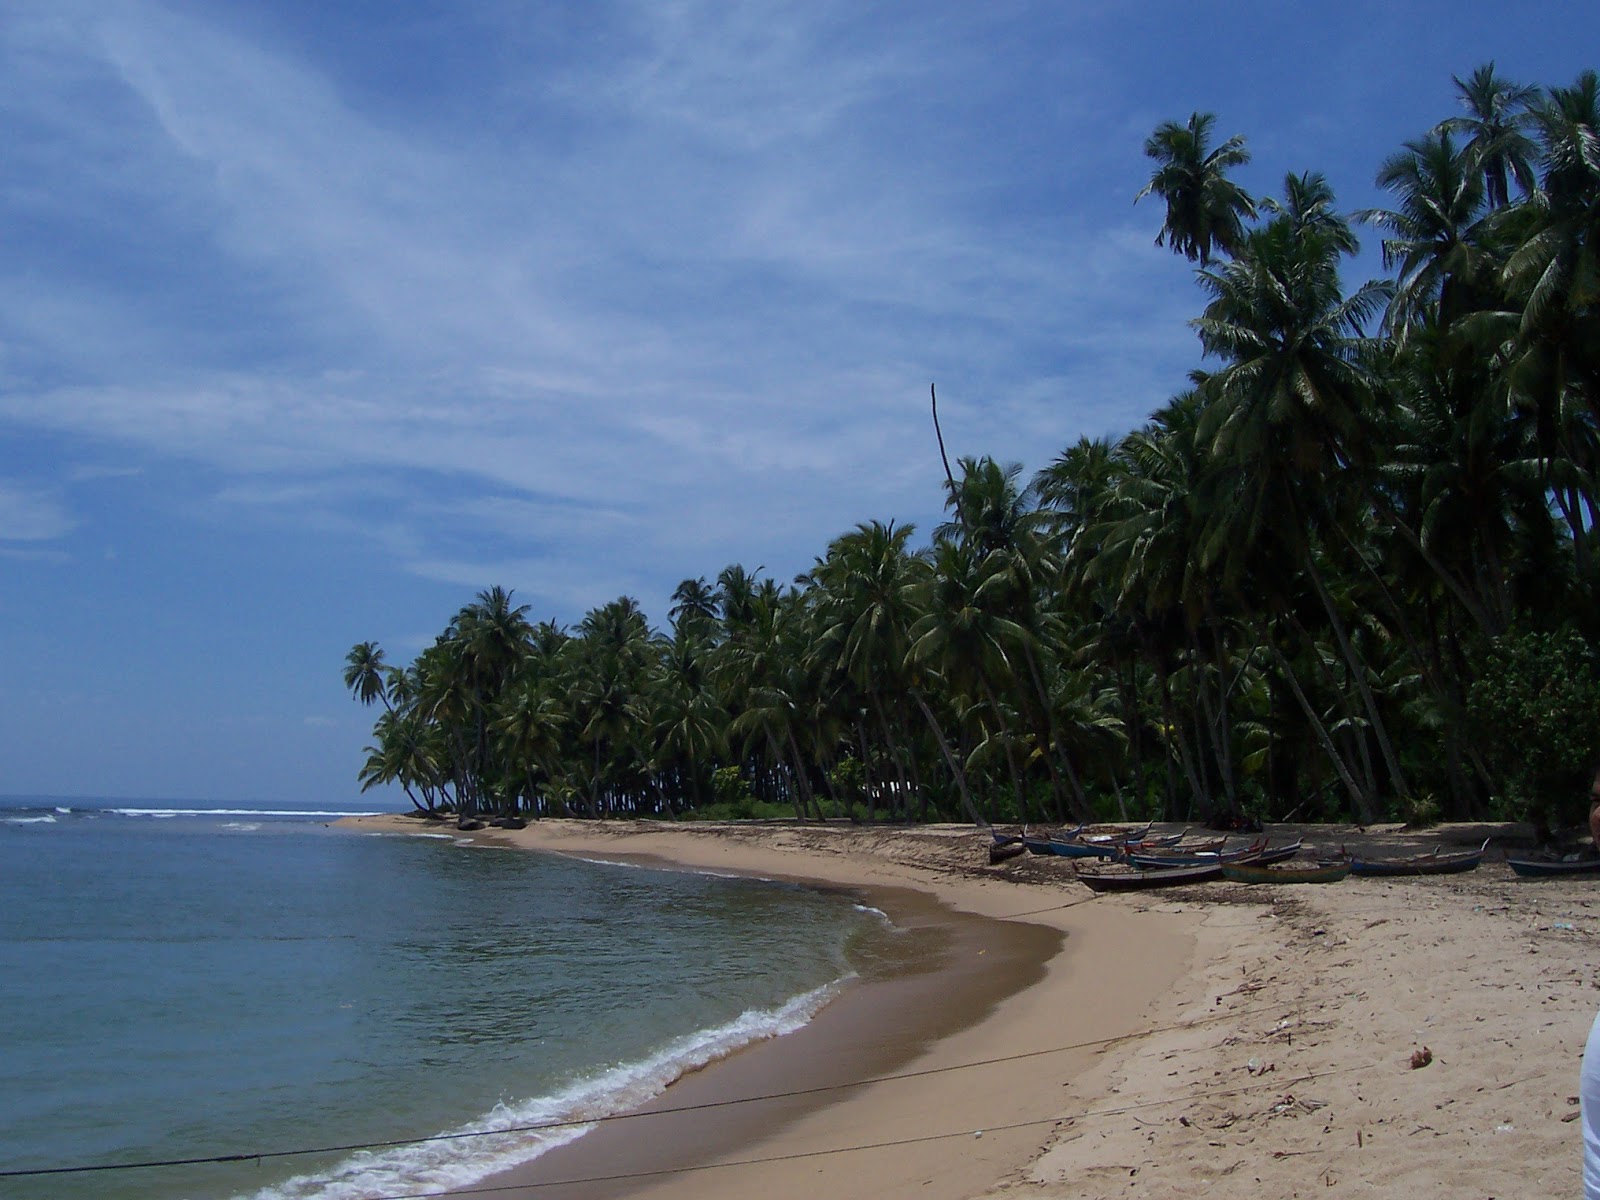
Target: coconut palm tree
[[693, 600], [532, 727], [1497, 128], [1288, 419], [608, 690], [366, 675], [736, 593], [688, 722], [1434, 238], [1206, 211], [961, 635]]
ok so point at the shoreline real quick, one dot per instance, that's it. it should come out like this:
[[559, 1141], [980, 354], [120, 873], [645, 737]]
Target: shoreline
[[1376, 1037], [1006, 983]]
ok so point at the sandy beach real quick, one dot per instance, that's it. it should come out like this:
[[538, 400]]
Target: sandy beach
[[1373, 1038]]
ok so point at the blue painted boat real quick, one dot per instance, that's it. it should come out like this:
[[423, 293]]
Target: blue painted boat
[[1070, 849], [1547, 868], [1258, 851], [1421, 864]]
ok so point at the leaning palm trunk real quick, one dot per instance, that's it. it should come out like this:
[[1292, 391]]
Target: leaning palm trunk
[[1362, 805], [794, 791], [1352, 729], [950, 760], [866, 772], [1169, 716], [1053, 746], [1011, 750], [1359, 676], [1468, 601], [803, 777], [896, 804]]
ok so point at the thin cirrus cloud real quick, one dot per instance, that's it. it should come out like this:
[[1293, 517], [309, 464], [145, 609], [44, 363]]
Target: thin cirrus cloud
[[317, 318], [730, 293], [28, 515]]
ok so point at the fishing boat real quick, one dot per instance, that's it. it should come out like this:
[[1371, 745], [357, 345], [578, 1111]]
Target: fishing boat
[[1003, 848], [1169, 841], [1274, 854], [1258, 851], [1120, 838], [1435, 863], [1552, 868], [1041, 844], [1071, 849], [1168, 847], [1161, 859], [1138, 881], [1254, 872]]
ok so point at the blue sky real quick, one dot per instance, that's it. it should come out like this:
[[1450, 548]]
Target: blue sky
[[317, 319]]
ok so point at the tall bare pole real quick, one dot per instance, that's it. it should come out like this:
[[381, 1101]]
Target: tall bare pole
[[955, 495]]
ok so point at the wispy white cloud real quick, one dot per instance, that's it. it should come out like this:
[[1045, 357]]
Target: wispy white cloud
[[29, 515], [707, 325], [582, 299], [93, 472]]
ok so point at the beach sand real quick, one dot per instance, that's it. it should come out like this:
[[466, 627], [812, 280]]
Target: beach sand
[[1053, 1044]]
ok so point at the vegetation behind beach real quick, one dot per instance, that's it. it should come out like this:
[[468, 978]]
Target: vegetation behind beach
[[1349, 574]]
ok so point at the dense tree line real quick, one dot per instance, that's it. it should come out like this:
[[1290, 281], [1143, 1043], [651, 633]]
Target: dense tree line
[[1349, 573]]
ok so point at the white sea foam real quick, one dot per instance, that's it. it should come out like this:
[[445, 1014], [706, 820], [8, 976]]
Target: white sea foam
[[46, 819], [64, 811], [237, 812], [521, 1132]]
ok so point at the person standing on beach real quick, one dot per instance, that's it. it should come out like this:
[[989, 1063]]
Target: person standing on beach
[[1589, 1080]]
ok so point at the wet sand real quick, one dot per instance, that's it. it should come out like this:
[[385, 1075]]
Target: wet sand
[[1374, 1038], [996, 976]]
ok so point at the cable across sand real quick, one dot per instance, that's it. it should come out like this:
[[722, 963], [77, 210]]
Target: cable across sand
[[1262, 1039]]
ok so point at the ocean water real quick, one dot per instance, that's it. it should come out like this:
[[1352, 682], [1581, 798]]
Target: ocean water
[[192, 981]]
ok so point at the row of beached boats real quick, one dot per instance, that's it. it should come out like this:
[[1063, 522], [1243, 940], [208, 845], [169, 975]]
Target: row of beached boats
[[1166, 860]]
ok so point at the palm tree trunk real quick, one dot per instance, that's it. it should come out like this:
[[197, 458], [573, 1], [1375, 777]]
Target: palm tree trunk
[[1461, 592], [1169, 716], [1133, 722], [950, 760], [1053, 744], [897, 804], [1359, 676], [1362, 807], [806, 793], [866, 771], [1011, 752], [794, 792], [1353, 732]]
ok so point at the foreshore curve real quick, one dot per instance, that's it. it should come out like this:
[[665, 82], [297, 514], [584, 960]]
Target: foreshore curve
[[1377, 1037], [1031, 985]]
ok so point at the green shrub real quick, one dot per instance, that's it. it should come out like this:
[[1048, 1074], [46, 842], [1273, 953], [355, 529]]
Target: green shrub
[[1420, 810], [1535, 714]]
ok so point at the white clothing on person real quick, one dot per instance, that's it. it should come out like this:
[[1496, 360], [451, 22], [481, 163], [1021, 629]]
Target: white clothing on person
[[1589, 1101]]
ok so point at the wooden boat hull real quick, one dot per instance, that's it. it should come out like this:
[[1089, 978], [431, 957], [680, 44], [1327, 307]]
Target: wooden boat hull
[[1277, 854], [1422, 864], [1534, 868], [1069, 849], [1254, 872], [1255, 852], [1138, 881], [1000, 851]]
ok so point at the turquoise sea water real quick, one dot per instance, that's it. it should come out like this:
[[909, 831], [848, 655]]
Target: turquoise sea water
[[187, 981]]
